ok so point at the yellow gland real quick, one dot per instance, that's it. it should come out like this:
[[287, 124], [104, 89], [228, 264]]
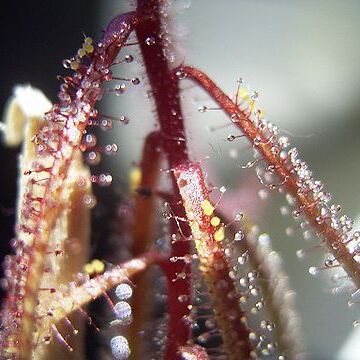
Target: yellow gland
[[252, 106], [74, 65], [88, 48], [89, 269], [95, 267], [134, 178], [244, 94], [260, 113], [81, 52], [220, 234], [88, 40], [207, 207], [215, 221], [98, 266]]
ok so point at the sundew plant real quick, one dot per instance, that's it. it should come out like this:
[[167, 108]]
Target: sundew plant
[[163, 211]]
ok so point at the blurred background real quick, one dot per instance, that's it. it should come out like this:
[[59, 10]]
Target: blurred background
[[301, 56]]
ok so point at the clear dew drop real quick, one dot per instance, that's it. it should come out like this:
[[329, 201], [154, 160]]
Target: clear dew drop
[[181, 5], [93, 158], [66, 63], [120, 348], [203, 338], [254, 291], [169, 55], [111, 149], [242, 260], [124, 119], [269, 326], [123, 291], [243, 282], [150, 41], [180, 74], [252, 336], [106, 124], [90, 140], [129, 58], [307, 235], [194, 325], [263, 194], [284, 210], [313, 271], [182, 298], [254, 310], [335, 208], [233, 153], [238, 217], [336, 278], [210, 324], [283, 141], [254, 96], [264, 239], [356, 323], [89, 201], [202, 109], [102, 180], [290, 200], [234, 118], [123, 312], [239, 236], [329, 263], [265, 352], [135, 81], [47, 339], [259, 305], [300, 253], [120, 89]]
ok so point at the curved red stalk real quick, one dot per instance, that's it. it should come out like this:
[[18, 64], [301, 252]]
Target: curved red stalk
[[59, 141], [307, 200]]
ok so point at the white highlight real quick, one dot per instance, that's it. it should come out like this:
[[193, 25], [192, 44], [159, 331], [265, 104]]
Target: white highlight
[[123, 291], [120, 347], [123, 312]]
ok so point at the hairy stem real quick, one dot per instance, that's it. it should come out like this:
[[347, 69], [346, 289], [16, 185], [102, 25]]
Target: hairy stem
[[301, 188], [58, 142], [73, 296], [213, 264], [167, 102]]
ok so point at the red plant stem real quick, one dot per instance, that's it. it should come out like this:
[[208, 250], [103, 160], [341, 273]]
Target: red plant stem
[[167, 101], [164, 89], [330, 236]]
